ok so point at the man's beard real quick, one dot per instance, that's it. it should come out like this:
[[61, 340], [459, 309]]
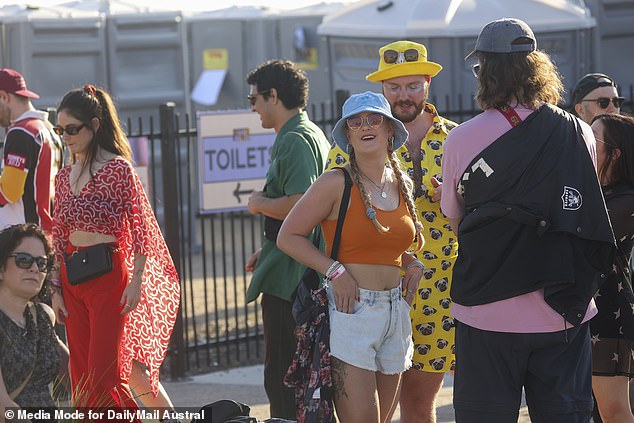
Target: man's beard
[[407, 117]]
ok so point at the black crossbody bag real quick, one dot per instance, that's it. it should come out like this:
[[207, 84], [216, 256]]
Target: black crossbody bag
[[310, 281], [88, 263]]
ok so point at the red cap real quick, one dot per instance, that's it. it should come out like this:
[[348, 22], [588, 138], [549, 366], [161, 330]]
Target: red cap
[[12, 82]]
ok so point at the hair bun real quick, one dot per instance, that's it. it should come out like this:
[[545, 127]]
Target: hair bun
[[90, 89]]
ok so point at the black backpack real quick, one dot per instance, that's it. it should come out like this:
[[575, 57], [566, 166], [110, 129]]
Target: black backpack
[[225, 411]]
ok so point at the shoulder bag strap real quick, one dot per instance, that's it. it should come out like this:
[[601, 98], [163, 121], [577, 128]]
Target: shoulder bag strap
[[17, 391], [343, 208], [510, 114]]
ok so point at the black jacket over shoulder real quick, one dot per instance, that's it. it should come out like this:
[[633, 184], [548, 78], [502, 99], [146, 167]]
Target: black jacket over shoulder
[[535, 219]]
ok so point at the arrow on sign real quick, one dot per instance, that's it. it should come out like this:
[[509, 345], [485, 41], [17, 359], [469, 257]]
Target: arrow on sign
[[237, 193]]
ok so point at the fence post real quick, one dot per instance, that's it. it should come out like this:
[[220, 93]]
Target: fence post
[[172, 237]]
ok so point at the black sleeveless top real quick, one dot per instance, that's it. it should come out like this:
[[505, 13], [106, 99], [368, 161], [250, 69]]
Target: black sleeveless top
[[22, 350]]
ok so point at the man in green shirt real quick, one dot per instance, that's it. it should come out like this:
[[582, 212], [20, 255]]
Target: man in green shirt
[[279, 93]]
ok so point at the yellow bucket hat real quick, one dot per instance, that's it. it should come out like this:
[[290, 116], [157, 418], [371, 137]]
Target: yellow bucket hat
[[403, 58]]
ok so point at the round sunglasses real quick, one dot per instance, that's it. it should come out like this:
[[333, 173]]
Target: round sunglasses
[[69, 129], [26, 260], [392, 56], [374, 120]]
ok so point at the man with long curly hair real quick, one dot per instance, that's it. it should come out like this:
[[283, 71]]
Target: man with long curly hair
[[521, 193]]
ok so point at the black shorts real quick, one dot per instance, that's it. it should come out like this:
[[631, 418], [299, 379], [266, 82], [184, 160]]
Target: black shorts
[[493, 367]]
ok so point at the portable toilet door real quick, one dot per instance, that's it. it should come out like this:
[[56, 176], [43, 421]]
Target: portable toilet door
[[615, 40], [148, 62], [54, 48], [224, 45], [299, 42]]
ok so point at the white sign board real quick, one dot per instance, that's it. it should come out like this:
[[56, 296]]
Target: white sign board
[[234, 153]]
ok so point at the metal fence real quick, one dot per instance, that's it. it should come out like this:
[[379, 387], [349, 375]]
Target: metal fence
[[215, 328]]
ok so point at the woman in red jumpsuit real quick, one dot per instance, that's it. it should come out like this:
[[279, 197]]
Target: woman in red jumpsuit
[[127, 314]]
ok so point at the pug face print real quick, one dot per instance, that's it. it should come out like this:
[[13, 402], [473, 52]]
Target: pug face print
[[434, 144], [423, 349], [426, 328], [445, 303], [428, 310], [424, 293], [438, 363], [442, 284], [429, 216], [428, 273], [442, 343], [447, 323], [428, 255]]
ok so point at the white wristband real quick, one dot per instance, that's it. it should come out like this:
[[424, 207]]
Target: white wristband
[[416, 263], [331, 268]]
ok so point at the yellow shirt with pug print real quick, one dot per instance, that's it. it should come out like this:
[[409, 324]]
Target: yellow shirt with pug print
[[432, 325]]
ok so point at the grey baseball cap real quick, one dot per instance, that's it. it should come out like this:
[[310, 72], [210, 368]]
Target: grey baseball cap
[[506, 35]]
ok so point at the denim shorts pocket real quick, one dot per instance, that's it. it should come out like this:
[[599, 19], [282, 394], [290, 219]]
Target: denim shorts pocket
[[359, 308]]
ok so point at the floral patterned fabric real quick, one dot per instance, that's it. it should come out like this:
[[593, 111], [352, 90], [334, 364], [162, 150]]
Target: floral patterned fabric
[[309, 372], [113, 202]]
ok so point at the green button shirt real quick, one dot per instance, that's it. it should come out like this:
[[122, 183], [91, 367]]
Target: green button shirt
[[298, 157]]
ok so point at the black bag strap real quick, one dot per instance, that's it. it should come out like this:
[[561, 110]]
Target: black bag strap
[[343, 208]]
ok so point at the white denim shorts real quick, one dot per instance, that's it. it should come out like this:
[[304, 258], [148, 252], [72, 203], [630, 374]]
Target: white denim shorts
[[377, 336]]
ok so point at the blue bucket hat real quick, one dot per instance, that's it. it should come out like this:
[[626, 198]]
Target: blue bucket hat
[[367, 102]]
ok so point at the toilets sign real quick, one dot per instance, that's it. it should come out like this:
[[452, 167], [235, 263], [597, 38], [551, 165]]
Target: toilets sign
[[233, 157]]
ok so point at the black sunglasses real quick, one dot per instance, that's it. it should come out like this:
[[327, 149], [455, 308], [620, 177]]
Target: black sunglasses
[[25, 261], [253, 97], [392, 56], [604, 102], [69, 129]]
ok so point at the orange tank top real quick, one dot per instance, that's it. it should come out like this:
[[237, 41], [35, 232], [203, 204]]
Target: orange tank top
[[361, 243]]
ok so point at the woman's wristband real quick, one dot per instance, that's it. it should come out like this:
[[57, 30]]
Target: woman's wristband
[[416, 263], [332, 267], [340, 270]]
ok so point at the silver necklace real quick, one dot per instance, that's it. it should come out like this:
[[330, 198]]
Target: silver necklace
[[380, 188]]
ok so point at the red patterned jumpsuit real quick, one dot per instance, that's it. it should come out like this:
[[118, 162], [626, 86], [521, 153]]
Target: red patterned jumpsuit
[[101, 341]]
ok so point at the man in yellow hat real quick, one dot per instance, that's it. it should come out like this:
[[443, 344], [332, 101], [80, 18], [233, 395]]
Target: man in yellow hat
[[405, 74]]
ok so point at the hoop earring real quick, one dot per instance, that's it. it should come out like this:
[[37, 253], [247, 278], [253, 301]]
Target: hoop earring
[[348, 149], [390, 143]]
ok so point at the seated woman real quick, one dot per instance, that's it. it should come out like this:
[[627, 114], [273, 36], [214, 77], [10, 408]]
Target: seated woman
[[370, 338], [29, 347]]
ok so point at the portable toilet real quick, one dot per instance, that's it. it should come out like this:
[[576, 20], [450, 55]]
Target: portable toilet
[[449, 28], [54, 48], [615, 19], [147, 57], [224, 45], [298, 41]]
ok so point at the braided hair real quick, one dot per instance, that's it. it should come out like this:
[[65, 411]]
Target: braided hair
[[406, 186], [365, 196]]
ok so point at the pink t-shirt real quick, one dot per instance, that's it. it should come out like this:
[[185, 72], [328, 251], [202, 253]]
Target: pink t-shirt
[[527, 313]]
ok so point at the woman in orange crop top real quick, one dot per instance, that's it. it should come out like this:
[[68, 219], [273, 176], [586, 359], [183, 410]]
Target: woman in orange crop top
[[370, 329]]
